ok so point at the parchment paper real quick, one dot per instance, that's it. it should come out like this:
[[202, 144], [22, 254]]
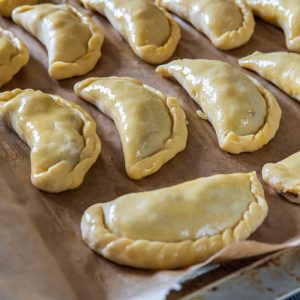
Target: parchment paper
[[42, 255]]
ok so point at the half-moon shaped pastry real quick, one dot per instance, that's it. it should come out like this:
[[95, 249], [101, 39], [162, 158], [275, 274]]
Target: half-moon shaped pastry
[[281, 68], [72, 39], [284, 176], [7, 6], [176, 226], [61, 135], [150, 31], [282, 13], [227, 23], [243, 113], [151, 126], [13, 55]]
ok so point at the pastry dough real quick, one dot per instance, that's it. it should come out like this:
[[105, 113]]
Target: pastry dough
[[152, 126], [61, 135], [7, 6], [150, 31], [176, 226], [227, 23], [282, 13], [244, 114], [284, 176], [72, 39], [281, 68], [13, 55]]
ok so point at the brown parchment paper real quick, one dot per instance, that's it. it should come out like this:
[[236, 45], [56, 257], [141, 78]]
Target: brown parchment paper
[[42, 255]]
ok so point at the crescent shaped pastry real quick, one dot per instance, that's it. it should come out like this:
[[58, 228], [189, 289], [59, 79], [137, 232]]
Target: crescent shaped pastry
[[150, 31], [72, 39], [151, 126], [282, 13], [284, 176], [13, 56], [227, 23], [61, 135], [7, 6], [243, 113], [281, 68], [177, 226]]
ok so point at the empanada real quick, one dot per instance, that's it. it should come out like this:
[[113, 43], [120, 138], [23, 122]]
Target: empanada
[[72, 39], [281, 68], [152, 126], [176, 226], [244, 114], [284, 176], [13, 55], [61, 135], [150, 31], [282, 13], [7, 6], [227, 23]]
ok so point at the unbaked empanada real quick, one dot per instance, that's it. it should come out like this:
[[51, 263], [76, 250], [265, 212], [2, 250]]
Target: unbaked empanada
[[150, 31], [227, 23], [72, 39], [7, 6], [176, 226], [152, 126], [61, 135], [244, 114], [284, 176], [282, 13], [281, 68], [13, 55]]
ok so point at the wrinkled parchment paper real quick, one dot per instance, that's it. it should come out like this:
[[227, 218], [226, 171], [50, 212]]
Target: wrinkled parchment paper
[[42, 255]]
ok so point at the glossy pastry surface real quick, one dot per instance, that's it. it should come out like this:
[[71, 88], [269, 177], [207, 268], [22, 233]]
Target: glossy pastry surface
[[61, 135], [151, 126], [176, 226]]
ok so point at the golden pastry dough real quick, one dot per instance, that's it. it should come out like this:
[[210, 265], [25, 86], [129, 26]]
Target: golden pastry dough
[[61, 135], [227, 23], [244, 114], [284, 176], [72, 39], [282, 13], [7, 6], [152, 126], [176, 226], [150, 31], [281, 68], [13, 56]]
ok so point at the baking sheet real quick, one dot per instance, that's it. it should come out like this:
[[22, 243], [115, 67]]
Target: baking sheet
[[42, 255]]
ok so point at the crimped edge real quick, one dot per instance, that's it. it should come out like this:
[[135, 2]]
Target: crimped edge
[[6, 7], [62, 70], [88, 155], [176, 142], [17, 62], [169, 255], [152, 54], [236, 144], [234, 38]]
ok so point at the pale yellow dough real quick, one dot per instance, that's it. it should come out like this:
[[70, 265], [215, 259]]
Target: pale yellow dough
[[281, 68], [72, 39], [7, 6], [227, 23], [150, 31], [61, 135], [13, 56], [284, 176], [152, 126], [243, 113], [176, 226], [282, 13]]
